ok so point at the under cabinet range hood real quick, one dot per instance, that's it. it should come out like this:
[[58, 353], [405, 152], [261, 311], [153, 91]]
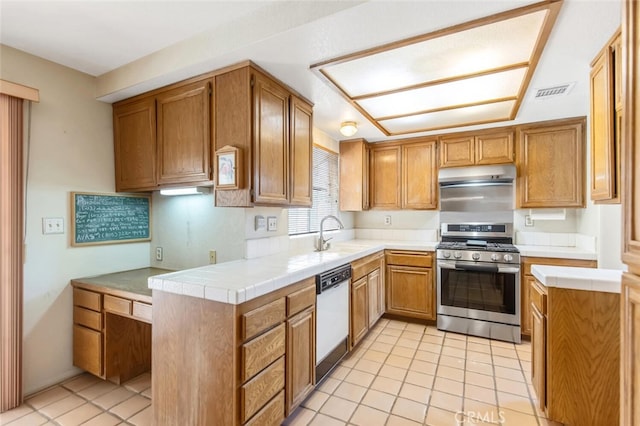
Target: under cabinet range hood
[[478, 193]]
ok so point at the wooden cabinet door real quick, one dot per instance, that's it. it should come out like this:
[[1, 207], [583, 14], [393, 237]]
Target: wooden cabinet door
[[184, 134], [631, 141], [301, 152], [87, 350], [410, 291], [134, 131], [270, 142], [630, 314], [630, 350], [525, 305], [385, 177], [457, 151], [602, 135], [419, 176], [495, 148], [373, 289], [539, 356], [551, 163], [354, 175], [359, 310], [381, 290], [300, 358]]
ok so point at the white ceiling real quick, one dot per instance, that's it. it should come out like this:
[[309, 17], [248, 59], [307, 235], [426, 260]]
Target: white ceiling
[[134, 46]]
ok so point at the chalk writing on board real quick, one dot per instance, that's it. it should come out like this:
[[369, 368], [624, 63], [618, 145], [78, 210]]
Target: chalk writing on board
[[110, 218]]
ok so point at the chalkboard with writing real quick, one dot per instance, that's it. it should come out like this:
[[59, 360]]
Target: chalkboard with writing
[[109, 218]]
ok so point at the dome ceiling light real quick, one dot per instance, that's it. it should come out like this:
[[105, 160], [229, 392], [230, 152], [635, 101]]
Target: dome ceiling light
[[348, 128]]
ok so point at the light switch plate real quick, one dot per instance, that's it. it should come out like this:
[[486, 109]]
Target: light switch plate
[[52, 225], [272, 223]]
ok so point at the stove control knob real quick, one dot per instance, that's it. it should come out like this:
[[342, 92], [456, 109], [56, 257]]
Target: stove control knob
[[446, 254], [457, 255], [508, 258], [475, 256], [495, 257]]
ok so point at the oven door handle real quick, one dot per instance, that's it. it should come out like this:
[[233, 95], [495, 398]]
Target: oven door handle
[[512, 270], [476, 268]]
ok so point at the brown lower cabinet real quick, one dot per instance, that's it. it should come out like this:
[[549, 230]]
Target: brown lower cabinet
[[216, 363], [367, 295], [410, 284], [527, 279], [111, 334], [575, 356]]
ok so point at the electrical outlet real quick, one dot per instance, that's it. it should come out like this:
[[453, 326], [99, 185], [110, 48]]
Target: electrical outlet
[[52, 225], [212, 257], [159, 254], [260, 223], [528, 221], [387, 220], [272, 223]]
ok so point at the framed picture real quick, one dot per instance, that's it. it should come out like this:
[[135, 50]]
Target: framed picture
[[229, 168]]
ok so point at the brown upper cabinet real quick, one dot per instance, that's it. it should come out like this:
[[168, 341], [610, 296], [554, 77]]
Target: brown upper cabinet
[[354, 175], [468, 149], [183, 134], [163, 138], [134, 131], [606, 122], [385, 176], [168, 137], [273, 128], [551, 164], [404, 174]]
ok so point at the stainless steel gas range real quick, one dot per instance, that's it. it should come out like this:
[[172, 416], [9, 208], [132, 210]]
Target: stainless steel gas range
[[478, 280]]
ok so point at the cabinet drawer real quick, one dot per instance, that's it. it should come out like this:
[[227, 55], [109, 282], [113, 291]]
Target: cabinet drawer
[[261, 389], [362, 267], [142, 311], [301, 299], [87, 318], [409, 258], [538, 296], [117, 305], [262, 351], [271, 415], [87, 299], [261, 319], [87, 349]]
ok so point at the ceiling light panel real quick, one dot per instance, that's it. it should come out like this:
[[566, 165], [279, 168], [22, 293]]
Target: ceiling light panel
[[478, 114], [475, 50], [487, 61], [484, 88]]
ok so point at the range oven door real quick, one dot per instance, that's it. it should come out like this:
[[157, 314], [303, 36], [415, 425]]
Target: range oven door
[[482, 291]]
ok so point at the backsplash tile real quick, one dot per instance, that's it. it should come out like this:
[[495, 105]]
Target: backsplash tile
[[556, 239]]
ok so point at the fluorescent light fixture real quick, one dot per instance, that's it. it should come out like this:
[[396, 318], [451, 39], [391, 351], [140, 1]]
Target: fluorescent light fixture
[[472, 73], [348, 128], [192, 190]]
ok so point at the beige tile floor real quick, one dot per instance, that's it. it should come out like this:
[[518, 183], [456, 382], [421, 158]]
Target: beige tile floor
[[86, 400], [400, 374]]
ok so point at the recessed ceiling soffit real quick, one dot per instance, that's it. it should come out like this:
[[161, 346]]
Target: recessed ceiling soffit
[[473, 73]]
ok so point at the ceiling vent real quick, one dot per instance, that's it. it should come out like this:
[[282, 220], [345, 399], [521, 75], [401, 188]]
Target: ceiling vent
[[554, 91]]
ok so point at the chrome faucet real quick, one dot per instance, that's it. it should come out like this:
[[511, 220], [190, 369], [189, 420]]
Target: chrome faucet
[[321, 243]]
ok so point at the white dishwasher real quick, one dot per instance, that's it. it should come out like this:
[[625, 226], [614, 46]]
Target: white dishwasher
[[332, 318]]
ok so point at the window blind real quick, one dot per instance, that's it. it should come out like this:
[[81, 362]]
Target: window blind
[[325, 195]]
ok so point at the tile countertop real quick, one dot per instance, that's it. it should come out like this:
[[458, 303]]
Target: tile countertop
[[604, 280], [238, 281], [555, 251]]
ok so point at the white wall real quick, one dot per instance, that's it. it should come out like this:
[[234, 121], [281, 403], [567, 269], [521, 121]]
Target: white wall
[[71, 150]]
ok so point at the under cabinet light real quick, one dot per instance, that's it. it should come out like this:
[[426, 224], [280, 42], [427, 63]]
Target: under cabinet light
[[192, 190]]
